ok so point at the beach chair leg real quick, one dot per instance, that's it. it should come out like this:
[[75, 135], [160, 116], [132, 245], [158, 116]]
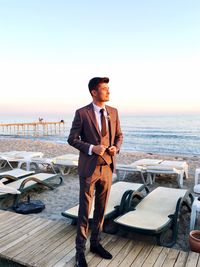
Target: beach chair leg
[[180, 179], [125, 202], [10, 165], [149, 178], [124, 175], [142, 176], [51, 166], [187, 205], [118, 175], [15, 201], [56, 185], [174, 226], [66, 172], [74, 222], [193, 218], [158, 240], [3, 164], [110, 227], [186, 175]]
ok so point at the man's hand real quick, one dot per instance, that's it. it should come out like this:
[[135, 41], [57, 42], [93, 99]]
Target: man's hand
[[112, 150], [99, 149]]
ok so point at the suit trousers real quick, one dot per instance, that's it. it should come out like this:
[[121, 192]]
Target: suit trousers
[[100, 182]]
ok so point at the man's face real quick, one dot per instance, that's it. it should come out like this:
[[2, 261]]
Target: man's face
[[102, 93]]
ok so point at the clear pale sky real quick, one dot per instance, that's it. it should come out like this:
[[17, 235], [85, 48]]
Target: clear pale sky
[[149, 49]]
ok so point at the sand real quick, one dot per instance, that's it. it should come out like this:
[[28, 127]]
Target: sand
[[66, 195]]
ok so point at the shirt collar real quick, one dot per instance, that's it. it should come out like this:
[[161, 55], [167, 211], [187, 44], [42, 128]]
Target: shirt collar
[[97, 109]]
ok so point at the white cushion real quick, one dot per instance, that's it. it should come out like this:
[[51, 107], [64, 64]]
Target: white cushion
[[116, 193], [153, 211]]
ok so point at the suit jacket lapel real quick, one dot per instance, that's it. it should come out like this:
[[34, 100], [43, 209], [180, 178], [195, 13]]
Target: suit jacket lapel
[[92, 116], [109, 111]]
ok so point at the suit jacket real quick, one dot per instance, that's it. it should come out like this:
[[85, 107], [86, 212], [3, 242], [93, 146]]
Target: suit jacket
[[85, 131]]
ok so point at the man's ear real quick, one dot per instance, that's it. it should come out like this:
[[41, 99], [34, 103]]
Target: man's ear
[[94, 92]]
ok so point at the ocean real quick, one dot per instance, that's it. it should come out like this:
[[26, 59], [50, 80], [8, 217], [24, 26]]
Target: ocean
[[177, 134]]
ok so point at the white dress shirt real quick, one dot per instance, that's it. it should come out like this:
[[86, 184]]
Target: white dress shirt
[[98, 118]]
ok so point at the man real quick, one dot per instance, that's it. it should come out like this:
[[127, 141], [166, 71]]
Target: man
[[96, 133]]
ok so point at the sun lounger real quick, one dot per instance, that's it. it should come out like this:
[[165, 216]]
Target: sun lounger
[[15, 173], [21, 157], [118, 194], [64, 163], [8, 160], [156, 213], [5, 189], [31, 181], [153, 167]]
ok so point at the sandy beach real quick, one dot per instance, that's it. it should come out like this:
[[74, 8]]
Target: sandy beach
[[66, 195]]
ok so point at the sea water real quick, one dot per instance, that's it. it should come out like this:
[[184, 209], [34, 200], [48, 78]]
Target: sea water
[[174, 134]]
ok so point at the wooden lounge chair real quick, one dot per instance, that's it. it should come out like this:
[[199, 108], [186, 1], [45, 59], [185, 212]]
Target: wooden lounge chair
[[156, 213], [119, 195]]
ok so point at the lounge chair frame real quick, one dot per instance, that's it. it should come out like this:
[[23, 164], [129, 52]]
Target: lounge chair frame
[[173, 223], [125, 201], [37, 181], [152, 169]]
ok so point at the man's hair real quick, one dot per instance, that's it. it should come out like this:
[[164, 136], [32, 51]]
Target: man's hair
[[94, 82]]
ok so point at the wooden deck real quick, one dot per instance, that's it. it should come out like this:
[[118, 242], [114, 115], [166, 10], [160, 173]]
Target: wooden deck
[[32, 241]]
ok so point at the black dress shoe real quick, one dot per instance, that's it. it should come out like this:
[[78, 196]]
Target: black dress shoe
[[99, 250], [80, 260]]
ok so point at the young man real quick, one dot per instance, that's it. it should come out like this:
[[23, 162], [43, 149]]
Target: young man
[[96, 133]]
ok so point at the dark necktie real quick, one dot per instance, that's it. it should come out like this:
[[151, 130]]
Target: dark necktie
[[103, 123]]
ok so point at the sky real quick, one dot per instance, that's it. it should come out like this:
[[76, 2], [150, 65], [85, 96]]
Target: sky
[[49, 50]]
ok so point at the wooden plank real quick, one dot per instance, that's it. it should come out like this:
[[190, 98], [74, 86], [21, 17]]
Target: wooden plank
[[49, 247], [16, 244], [123, 253], [17, 226], [96, 260], [31, 239], [171, 258], [192, 259], [10, 221], [132, 254], [68, 244], [117, 247], [182, 258], [14, 227], [69, 259], [34, 246], [151, 259], [141, 257], [5, 215], [15, 235], [59, 252], [161, 258]]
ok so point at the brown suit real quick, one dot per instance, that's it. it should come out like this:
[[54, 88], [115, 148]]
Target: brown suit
[[84, 132]]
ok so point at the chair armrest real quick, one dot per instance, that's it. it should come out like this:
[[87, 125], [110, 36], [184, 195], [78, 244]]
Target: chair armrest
[[9, 177]]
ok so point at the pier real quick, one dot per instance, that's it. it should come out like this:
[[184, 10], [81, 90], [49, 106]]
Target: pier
[[39, 128]]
